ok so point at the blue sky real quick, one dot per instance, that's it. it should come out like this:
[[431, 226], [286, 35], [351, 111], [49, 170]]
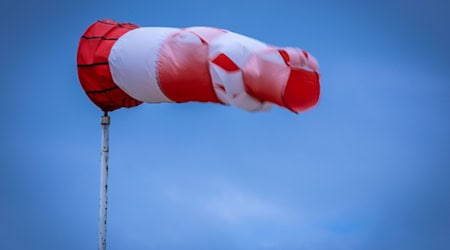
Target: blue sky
[[368, 168]]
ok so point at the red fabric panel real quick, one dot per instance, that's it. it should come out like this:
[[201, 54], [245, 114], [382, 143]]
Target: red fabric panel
[[265, 80], [294, 89], [302, 90], [93, 69], [285, 56], [225, 63], [184, 72]]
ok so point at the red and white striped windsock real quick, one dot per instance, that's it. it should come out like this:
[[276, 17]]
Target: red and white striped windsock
[[123, 65]]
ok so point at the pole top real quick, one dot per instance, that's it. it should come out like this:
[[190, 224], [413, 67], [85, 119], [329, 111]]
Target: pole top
[[105, 119]]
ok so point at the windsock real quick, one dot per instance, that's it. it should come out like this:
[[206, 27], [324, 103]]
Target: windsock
[[123, 65]]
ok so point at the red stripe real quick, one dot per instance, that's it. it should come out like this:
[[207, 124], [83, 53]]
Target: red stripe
[[94, 74], [302, 90], [184, 75], [294, 89]]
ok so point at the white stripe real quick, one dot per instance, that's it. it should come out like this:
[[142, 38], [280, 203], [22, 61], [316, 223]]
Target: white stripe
[[134, 60], [272, 56], [237, 47], [235, 94]]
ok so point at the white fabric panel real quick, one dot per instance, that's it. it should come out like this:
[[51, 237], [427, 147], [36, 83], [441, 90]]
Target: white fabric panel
[[217, 80], [133, 63], [235, 93], [267, 106], [312, 63], [273, 56], [186, 37], [237, 47], [299, 60]]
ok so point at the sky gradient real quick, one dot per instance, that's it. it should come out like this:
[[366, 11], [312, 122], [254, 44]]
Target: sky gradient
[[367, 168]]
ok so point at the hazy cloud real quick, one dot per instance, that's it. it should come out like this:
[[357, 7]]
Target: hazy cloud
[[226, 202]]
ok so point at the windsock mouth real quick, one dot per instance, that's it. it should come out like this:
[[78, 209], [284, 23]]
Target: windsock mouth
[[302, 90], [93, 65]]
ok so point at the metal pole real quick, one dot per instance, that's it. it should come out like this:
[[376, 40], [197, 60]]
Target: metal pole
[[103, 183]]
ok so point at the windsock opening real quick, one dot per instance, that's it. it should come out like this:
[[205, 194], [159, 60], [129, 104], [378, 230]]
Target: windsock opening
[[302, 90], [93, 66]]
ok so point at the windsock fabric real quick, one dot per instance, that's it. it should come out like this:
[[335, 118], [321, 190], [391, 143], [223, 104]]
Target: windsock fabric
[[93, 66], [123, 65]]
